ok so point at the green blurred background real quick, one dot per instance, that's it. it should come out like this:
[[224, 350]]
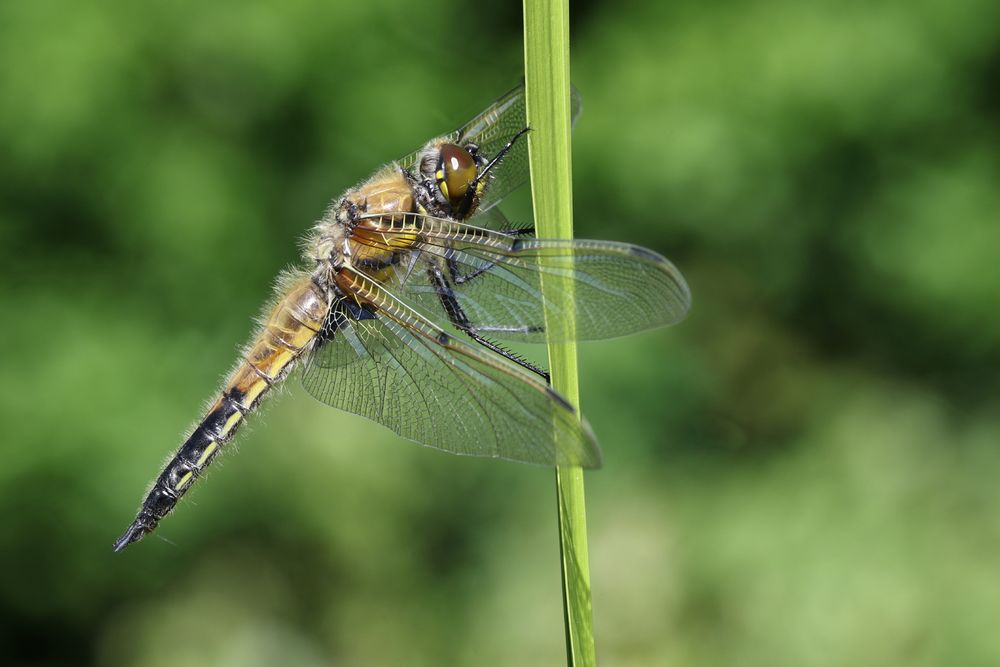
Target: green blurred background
[[803, 473]]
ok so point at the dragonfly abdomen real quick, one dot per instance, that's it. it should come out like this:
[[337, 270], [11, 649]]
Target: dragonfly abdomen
[[288, 331]]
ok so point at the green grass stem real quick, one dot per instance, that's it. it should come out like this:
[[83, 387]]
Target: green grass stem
[[547, 93]]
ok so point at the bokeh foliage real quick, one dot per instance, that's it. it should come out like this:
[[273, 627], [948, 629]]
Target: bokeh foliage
[[803, 473]]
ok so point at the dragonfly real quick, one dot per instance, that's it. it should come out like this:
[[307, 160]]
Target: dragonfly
[[412, 284]]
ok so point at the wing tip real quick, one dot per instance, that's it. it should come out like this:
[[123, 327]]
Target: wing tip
[[584, 453], [593, 459]]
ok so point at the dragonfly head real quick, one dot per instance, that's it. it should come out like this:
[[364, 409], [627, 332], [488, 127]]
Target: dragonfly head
[[456, 171], [450, 171]]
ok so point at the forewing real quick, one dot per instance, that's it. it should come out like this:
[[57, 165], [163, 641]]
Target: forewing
[[496, 278], [491, 130], [441, 392]]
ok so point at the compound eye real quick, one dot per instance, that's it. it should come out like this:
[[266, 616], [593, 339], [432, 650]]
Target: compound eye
[[458, 170]]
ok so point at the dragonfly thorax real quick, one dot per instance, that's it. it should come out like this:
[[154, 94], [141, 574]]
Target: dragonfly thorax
[[388, 196]]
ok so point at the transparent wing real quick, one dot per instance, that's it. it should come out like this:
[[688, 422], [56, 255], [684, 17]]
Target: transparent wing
[[491, 130], [405, 373], [496, 280]]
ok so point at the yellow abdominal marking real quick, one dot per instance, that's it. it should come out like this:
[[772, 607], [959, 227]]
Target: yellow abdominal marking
[[205, 454], [256, 388], [184, 481], [233, 420]]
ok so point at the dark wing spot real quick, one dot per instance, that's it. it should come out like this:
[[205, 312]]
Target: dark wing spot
[[443, 338], [560, 399], [342, 311], [358, 312], [333, 321]]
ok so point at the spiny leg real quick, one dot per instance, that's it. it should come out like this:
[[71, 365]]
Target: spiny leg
[[455, 272], [458, 317], [459, 278]]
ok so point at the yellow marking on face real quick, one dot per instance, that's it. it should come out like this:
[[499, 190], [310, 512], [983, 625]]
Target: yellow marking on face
[[442, 183], [183, 481], [212, 446]]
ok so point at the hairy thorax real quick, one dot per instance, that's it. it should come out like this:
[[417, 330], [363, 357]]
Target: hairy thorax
[[348, 233]]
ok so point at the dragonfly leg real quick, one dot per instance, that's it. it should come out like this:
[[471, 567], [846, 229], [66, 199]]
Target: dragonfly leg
[[526, 329], [459, 278], [458, 317]]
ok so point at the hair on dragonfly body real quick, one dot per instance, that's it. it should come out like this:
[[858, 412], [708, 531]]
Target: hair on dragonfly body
[[412, 285]]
